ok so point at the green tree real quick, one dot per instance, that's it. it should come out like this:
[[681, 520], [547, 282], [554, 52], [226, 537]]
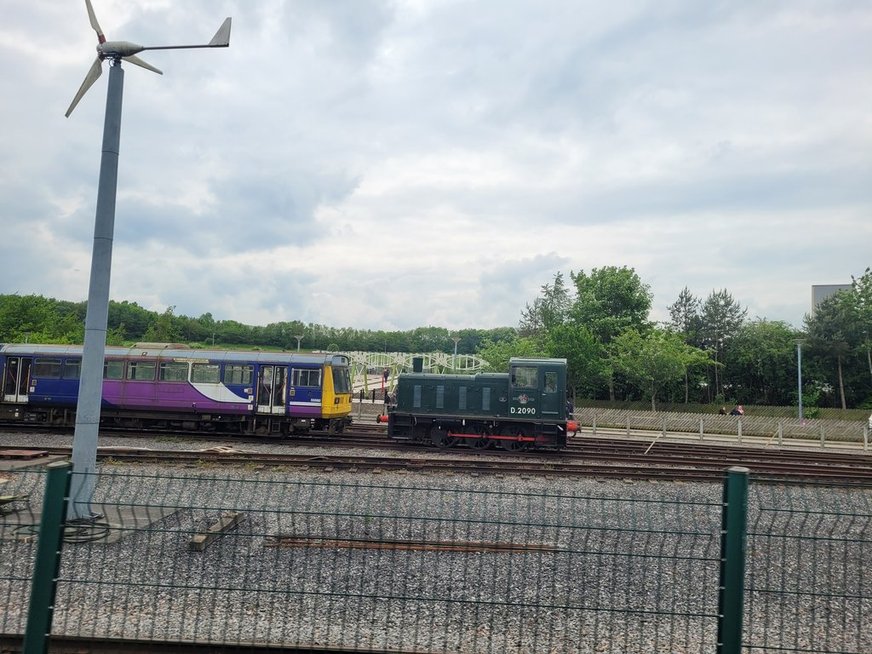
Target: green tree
[[653, 360], [720, 320], [609, 301], [762, 363], [833, 334], [164, 329], [585, 357], [549, 310], [497, 354]]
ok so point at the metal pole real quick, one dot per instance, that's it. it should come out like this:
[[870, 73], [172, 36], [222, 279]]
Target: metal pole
[[48, 558], [91, 382], [799, 376], [732, 575]]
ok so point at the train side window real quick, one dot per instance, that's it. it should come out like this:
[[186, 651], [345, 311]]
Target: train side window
[[113, 369], [173, 371], [205, 373], [72, 368], [140, 370], [47, 368], [461, 398], [306, 377], [550, 381], [416, 396], [485, 399], [238, 374], [440, 397]]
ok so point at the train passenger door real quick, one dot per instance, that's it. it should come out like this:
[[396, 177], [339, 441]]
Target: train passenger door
[[16, 379], [271, 390]]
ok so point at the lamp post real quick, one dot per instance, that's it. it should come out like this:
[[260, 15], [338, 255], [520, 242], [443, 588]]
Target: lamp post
[[799, 375], [299, 338]]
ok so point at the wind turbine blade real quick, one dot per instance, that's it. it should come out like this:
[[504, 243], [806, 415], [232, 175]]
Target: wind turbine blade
[[222, 36], [139, 62], [93, 18], [92, 76]]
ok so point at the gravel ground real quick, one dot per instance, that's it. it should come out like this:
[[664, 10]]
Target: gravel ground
[[617, 567]]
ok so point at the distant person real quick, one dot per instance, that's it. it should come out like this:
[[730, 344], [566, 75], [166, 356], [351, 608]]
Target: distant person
[[738, 410], [723, 411]]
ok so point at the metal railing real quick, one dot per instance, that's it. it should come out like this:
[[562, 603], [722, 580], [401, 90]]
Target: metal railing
[[819, 432]]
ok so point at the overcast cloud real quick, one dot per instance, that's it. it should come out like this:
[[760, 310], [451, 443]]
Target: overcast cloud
[[389, 165]]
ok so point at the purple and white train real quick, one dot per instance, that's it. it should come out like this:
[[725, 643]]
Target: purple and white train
[[169, 387]]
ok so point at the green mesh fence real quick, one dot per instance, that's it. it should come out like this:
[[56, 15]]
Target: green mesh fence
[[375, 567], [411, 568], [808, 582], [21, 496]]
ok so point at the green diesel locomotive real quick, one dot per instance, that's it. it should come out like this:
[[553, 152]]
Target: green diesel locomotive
[[524, 408]]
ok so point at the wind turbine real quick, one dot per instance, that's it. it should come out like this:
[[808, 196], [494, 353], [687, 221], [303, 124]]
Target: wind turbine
[[91, 382]]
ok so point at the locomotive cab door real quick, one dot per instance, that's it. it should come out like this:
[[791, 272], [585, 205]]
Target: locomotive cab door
[[552, 393], [16, 379], [271, 390]]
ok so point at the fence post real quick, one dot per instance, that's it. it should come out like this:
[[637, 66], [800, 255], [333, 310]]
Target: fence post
[[732, 576], [48, 558], [739, 429], [701, 428], [822, 434], [865, 437], [628, 424], [593, 425], [663, 430], [780, 433]]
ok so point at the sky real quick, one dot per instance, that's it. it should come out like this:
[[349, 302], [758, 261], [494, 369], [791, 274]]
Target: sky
[[388, 165]]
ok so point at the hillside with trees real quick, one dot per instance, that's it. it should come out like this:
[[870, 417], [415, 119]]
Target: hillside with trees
[[709, 351]]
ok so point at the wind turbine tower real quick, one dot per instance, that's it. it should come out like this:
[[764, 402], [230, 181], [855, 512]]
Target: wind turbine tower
[[91, 382]]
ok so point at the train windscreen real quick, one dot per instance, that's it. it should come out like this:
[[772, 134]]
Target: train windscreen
[[341, 380]]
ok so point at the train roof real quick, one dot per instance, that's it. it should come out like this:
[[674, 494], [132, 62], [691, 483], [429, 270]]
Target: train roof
[[430, 376], [162, 352], [535, 361]]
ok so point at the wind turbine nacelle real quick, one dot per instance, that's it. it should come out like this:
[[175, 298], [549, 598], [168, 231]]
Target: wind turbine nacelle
[[116, 49]]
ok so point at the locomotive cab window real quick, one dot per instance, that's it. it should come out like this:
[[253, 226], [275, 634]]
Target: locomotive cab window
[[47, 368], [140, 370], [525, 377], [238, 374], [205, 373], [306, 378], [550, 381], [113, 369], [173, 371]]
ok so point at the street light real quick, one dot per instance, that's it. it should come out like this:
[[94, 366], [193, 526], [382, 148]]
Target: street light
[[799, 375], [299, 338]]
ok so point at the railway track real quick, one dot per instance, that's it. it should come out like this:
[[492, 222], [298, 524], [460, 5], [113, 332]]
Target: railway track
[[627, 465]]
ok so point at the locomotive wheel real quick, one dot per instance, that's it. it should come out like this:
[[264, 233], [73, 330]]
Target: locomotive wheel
[[441, 439], [513, 446], [479, 443]]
